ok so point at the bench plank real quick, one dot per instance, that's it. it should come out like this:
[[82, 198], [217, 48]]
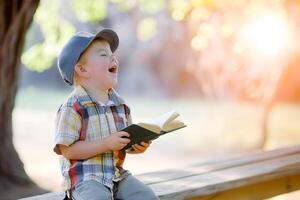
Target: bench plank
[[258, 191], [221, 180], [200, 168]]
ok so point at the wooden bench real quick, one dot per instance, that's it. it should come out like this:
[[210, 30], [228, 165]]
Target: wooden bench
[[254, 176]]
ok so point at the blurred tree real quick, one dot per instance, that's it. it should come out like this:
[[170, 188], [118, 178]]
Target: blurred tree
[[15, 19], [287, 90], [55, 30], [246, 83], [58, 28]]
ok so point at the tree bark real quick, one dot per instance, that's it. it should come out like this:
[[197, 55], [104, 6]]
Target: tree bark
[[15, 18]]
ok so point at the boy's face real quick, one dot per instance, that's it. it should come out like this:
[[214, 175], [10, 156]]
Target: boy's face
[[101, 65]]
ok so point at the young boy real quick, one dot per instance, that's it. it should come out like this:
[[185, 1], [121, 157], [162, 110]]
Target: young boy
[[88, 124]]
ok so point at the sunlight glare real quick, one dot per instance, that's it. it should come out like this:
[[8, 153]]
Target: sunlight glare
[[269, 35]]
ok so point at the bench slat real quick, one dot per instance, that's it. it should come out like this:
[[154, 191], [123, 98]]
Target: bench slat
[[200, 168], [258, 191], [221, 180]]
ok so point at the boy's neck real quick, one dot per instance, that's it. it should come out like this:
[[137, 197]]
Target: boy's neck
[[99, 94]]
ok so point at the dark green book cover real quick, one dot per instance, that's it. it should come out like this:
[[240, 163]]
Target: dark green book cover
[[139, 134]]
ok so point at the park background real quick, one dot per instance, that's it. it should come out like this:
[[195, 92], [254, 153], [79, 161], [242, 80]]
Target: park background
[[228, 67]]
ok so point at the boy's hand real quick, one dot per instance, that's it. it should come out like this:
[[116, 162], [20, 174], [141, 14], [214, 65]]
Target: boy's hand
[[116, 140], [140, 148]]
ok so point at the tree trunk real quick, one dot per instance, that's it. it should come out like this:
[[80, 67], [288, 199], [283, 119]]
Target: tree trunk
[[287, 90], [265, 122], [15, 18]]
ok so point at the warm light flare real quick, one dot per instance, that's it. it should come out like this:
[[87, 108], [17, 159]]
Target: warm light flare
[[268, 35], [199, 43]]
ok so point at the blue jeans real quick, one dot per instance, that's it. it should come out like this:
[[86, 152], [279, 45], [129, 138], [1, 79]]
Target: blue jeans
[[130, 188]]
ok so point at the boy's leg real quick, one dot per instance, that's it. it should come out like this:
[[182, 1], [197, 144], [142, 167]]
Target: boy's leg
[[91, 190], [130, 188]]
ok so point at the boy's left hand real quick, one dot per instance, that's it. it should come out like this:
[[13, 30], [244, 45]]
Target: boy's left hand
[[140, 148]]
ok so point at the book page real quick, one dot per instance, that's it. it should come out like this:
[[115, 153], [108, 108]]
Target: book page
[[159, 123], [175, 124], [152, 127], [164, 119]]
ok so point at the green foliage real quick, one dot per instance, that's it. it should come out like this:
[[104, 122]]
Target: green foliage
[[147, 6], [37, 58], [153, 6], [91, 10], [146, 28], [56, 32], [179, 9], [124, 5]]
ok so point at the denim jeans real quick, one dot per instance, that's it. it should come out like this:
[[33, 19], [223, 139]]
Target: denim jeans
[[130, 188]]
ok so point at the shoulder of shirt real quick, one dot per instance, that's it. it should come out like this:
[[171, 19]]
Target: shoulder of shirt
[[116, 98], [79, 95], [119, 100], [74, 97]]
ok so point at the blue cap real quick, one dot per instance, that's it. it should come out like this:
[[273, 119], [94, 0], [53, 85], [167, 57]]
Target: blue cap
[[74, 48]]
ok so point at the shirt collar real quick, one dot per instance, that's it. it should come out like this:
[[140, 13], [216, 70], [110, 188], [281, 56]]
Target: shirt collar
[[85, 98]]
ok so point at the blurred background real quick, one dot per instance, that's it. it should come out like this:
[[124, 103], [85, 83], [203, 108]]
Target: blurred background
[[230, 68]]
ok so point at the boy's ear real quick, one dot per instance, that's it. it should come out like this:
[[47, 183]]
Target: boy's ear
[[81, 71]]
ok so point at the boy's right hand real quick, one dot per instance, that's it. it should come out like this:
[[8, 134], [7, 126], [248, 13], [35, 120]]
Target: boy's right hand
[[117, 141]]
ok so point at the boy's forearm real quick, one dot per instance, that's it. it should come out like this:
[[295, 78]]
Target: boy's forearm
[[84, 149]]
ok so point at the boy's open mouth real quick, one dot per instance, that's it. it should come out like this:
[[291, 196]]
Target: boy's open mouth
[[113, 69]]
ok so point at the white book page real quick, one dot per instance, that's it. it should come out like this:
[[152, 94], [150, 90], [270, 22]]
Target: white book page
[[163, 119], [151, 127], [173, 125], [157, 124]]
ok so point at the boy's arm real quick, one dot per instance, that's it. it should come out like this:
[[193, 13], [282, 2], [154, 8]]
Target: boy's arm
[[67, 143], [81, 150]]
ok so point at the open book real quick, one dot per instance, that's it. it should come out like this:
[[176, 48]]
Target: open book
[[153, 128]]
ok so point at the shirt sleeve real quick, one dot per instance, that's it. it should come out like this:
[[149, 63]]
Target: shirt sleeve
[[67, 127]]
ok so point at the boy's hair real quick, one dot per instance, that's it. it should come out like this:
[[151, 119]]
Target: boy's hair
[[74, 48]]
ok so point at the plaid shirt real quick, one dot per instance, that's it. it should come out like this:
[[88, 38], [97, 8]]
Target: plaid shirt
[[81, 117]]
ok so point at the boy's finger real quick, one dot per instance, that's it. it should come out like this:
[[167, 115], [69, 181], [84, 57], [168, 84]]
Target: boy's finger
[[139, 147], [142, 147], [145, 144], [134, 148], [125, 140], [123, 133]]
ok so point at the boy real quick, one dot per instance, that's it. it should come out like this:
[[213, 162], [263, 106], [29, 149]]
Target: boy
[[88, 124]]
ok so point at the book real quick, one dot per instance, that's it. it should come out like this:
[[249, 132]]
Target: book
[[153, 128]]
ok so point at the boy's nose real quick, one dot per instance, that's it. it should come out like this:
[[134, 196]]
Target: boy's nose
[[114, 59]]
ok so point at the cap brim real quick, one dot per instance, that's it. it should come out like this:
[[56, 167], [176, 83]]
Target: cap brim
[[110, 36]]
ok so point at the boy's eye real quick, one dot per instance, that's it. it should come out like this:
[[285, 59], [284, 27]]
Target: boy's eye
[[103, 55]]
